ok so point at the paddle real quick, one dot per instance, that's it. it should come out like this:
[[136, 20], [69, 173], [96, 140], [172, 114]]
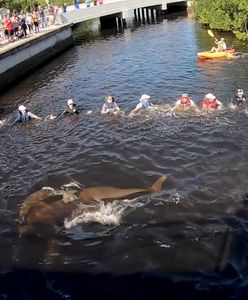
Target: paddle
[[210, 32]]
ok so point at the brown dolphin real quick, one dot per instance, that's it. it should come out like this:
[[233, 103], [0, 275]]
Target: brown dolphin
[[46, 207], [108, 193]]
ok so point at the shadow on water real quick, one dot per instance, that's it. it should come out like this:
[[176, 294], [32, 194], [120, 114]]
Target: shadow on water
[[204, 267], [28, 284]]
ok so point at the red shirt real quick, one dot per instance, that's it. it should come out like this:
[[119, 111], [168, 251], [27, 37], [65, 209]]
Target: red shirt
[[8, 24]]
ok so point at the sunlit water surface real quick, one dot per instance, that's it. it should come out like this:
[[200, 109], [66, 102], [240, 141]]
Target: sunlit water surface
[[195, 230]]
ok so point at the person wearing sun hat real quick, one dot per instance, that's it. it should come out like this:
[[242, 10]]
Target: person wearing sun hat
[[238, 100], [24, 115], [211, 103], [71, 108], [144, 104], [185, 103]]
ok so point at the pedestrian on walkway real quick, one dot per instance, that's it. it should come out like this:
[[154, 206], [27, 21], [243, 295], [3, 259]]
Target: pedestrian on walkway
[[64, 7]]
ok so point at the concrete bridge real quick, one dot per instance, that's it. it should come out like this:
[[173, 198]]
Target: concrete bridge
[[120, 10]]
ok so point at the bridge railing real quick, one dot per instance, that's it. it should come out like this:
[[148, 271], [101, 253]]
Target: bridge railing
[[84, 14]]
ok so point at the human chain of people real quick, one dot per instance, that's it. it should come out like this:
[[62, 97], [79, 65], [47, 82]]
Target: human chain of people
[[209, 104]]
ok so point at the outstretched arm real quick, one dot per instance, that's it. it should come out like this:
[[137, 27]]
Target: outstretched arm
[[34, 116]]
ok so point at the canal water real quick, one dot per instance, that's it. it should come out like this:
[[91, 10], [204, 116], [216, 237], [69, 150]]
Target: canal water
[[190, 240]]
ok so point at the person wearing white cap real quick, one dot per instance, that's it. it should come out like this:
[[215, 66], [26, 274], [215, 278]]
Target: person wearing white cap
[[211, 103], [24, 115], [238, 99], [110, 107], [144, 104], [71, 108], [221, 46], [185, 103]]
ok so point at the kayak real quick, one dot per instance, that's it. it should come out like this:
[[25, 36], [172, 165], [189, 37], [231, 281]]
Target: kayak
[[224, 54]]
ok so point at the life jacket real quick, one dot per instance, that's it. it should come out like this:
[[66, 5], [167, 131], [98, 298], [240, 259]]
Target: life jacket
[[210, 103], [146, 105], [185, 101], [23, 116]]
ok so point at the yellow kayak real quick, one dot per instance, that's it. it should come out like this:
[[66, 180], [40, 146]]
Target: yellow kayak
[[224, 54]]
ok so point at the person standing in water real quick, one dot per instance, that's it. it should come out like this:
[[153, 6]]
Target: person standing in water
[[210, 103], [185, 103], [71, 109], [110, 107], [238, 100], [145, 104], [24, 115]]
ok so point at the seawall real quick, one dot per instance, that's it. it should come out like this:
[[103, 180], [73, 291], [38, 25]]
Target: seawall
[[19, 58]]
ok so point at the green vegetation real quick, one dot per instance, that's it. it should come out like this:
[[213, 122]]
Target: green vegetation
[[226, 15], [29, 4]]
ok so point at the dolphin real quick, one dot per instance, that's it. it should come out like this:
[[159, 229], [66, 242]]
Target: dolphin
[[108, 193], [48, 207]]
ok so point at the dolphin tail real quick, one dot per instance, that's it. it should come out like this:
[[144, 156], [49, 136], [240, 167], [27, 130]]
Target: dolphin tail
[[157, 186]]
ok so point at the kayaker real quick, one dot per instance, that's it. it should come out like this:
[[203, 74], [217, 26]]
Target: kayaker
[[110, 107], [144, 104], [185, 103], [221, 46], [24, 115], [238, 100], [210, 103]]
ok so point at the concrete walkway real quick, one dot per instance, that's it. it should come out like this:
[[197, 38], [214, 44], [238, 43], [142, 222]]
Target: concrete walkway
[[5, 45]]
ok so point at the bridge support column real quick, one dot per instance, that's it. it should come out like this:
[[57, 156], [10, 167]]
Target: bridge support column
[[152, 15], [143, 13], [139, 16], [135, 14], [113, 21], [147, 15], [120, 24], [164, 6]]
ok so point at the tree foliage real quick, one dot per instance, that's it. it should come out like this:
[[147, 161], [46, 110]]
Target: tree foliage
[[29, 4], [226, 15]]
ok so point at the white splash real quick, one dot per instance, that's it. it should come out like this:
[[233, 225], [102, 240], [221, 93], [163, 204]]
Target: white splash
[[73, 184], [176, 198], [109, 213]]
